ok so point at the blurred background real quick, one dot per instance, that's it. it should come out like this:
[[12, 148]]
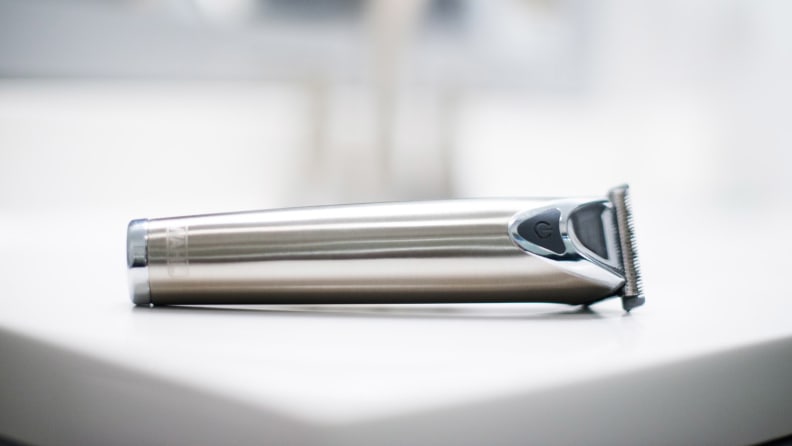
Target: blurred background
[[163, 107]]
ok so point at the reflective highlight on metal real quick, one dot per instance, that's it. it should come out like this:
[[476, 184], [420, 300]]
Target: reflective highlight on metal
[[413, 252]]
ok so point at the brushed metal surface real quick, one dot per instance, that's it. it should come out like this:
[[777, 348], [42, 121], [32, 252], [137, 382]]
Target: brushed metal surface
[[441, 251]]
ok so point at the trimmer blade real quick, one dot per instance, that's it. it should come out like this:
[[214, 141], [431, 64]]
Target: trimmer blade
[[632, 293]]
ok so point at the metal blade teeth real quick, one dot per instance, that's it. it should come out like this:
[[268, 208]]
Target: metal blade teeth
[[633, 287]]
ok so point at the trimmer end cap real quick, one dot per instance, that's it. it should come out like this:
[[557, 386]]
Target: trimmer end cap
[[137, 262]]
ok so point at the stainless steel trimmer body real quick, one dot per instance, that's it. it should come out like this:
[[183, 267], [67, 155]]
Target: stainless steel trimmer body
[[572, 251]]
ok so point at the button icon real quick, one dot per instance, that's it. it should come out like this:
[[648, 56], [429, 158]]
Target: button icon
[[543, 229]]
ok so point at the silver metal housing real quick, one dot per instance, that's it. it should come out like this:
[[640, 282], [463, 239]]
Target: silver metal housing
[[441, 251]]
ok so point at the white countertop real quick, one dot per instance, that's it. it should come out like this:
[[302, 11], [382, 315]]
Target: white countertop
[[707, 359]]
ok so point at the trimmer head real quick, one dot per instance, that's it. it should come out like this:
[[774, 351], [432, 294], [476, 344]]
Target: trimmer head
[[632, 293]]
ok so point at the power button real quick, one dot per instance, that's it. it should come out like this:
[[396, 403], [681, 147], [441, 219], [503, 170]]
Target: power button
[[543, 230]]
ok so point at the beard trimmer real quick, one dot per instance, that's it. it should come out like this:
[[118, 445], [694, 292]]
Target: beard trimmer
[[574, 251]]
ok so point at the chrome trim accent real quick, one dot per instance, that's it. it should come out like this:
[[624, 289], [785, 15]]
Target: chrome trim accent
[[613, 262], [565, 207]]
